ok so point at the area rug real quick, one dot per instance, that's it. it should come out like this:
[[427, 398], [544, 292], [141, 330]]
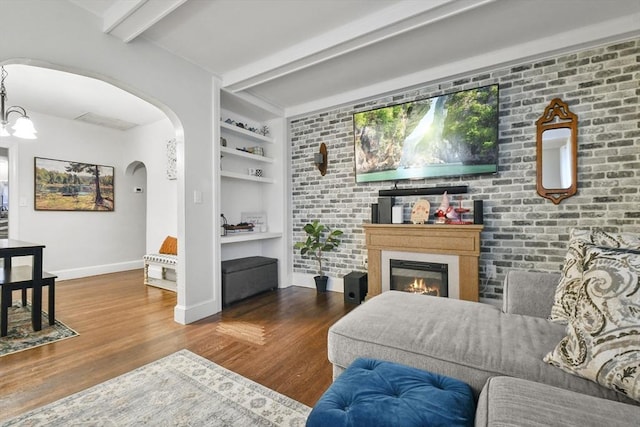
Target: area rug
[[181, 389], [21, 336]]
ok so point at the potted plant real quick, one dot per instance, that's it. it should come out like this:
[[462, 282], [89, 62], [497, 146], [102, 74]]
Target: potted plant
[[316, 244]]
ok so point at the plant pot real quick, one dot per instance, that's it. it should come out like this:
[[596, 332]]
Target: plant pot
[[321, 283]]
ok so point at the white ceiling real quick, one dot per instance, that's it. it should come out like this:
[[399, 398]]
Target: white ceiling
[[304, 55]]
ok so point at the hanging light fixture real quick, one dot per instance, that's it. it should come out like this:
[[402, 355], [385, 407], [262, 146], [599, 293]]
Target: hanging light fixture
[[23, 127]]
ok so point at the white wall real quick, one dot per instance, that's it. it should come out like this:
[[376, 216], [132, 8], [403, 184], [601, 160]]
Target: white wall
[[79, 243], [148, 145], [58, 34]]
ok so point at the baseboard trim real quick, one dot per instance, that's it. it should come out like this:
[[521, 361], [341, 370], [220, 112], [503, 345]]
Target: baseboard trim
[[335, 284], [95, 270], [189, 314]]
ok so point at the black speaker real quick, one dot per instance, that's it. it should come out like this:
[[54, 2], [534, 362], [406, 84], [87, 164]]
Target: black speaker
[[478, 214], [374, 213], [384, 209], [355, 287]]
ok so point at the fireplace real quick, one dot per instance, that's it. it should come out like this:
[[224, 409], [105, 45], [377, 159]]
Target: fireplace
[[426, 278], [458, 246]]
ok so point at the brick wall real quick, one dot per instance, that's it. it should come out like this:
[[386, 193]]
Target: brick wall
[[522, 230]]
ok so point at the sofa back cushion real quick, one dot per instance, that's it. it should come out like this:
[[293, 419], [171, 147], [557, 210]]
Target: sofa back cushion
[[603, 338], [580, 240]]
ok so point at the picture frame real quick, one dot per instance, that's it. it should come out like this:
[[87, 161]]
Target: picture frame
[[63, 185]]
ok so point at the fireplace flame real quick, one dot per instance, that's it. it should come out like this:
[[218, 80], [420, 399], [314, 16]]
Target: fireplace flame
[[420, 287]]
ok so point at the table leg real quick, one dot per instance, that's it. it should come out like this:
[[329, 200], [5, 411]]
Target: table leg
[[4, 310], [36, 303], [52, 302]]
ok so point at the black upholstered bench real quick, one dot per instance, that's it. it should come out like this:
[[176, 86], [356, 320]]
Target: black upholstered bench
[[246, 277]]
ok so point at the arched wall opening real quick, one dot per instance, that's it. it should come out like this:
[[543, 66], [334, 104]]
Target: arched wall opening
[[178, 87], [63, 139]]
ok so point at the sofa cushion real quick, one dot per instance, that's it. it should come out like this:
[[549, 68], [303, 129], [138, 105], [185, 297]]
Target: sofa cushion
[[508, 401], [460, 339], [603, 341], [569, 286], [376, 393]]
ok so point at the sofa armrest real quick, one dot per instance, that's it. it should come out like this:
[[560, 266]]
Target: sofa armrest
[[529, 293]]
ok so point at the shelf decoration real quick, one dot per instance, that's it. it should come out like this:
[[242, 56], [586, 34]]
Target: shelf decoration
[[172, 168], [264, 130], [258, 219]]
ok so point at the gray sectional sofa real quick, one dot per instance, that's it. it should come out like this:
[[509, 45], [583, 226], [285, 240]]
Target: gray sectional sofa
[[497, 352]]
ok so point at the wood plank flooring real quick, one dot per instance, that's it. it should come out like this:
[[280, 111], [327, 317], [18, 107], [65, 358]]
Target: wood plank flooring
[[278, 339]]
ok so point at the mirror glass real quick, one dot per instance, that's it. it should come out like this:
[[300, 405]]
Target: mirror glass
[[556, 158], [556, 149]]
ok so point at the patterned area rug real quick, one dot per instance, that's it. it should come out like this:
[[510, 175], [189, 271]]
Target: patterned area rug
[[21, 336], [180, 389]]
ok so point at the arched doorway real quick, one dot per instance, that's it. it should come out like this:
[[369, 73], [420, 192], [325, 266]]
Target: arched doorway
[[89, 134]]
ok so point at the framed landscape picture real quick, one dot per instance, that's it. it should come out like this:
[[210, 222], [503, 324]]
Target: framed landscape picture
[[62, 185]]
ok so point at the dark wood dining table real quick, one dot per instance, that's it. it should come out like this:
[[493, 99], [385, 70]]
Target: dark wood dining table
[[9, 249]]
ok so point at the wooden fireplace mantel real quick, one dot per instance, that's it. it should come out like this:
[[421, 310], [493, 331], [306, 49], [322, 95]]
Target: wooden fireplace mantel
[[460, 240]]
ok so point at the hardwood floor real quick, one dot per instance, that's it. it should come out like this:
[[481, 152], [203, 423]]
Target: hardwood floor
[[278, 339]]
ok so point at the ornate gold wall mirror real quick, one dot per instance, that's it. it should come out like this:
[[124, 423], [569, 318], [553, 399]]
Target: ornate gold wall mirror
[[557, 152]]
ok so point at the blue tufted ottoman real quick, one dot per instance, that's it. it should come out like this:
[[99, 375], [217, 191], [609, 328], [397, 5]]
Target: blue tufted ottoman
[[376, 393]]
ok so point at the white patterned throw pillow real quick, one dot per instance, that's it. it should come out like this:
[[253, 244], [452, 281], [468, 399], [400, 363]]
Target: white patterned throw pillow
[[603, 338], [580, 240]]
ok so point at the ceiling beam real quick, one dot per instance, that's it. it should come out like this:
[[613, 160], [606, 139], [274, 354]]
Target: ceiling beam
[[389, 22], [602, 33], [127, 19]]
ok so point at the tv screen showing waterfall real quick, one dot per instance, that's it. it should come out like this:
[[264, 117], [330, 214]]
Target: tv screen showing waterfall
[[455, 134]]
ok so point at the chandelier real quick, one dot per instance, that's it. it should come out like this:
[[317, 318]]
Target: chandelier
[[23, 127]]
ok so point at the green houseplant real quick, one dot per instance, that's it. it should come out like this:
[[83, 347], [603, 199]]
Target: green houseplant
[[320, 239]]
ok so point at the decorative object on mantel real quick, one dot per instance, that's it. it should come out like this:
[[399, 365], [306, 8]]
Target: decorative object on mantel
[[420, 212], [321, 159], [316, 245], [442, 210], [478, 212], [460, 211], [172, 165]]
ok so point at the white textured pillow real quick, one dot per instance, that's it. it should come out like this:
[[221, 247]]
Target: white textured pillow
[[564, 302], [603, 338]]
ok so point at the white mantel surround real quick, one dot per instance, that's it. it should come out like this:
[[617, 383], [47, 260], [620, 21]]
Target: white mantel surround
[[455, 245], [452, 261]]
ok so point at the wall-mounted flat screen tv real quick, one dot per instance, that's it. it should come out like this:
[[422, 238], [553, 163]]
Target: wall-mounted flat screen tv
[[455, 134]]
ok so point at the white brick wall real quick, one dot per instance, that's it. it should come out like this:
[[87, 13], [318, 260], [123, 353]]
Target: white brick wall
[[522, 230]]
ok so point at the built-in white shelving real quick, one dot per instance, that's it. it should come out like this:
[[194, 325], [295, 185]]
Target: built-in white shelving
[[248, 237], [246, 177], [252, 185], [244, 154], [256, 137]]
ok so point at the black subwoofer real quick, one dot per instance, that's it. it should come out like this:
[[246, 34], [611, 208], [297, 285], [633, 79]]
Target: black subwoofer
[[355, 287]]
